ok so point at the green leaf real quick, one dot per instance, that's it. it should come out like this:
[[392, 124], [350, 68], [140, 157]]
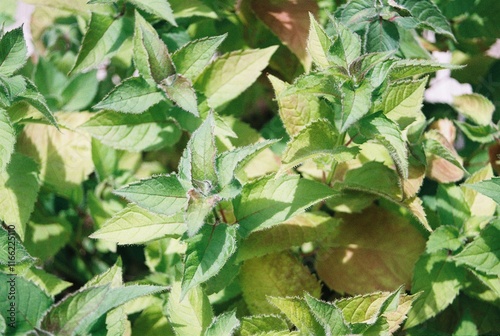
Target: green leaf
[[180, 91], [113, 276], [412, 67], [451, 206], [162, 194], [13, 51], [64, 155], [383, 130], [37, 100], [231, 74], [481, 134], [375, 178], [45, 236], [199, 207], [483, 253], [192, 58], [207, 253], [105, 160], [318, 43], [268, 201], [133, 95], [303, 228], [18, 251], [151, 56], [428, 15], [103, 37], [160, 8], [152, 321], [134, 225], [297, 108], [190, 316], [433, 146], [19, 185], [224, 324], [381, 35], [265, 324], [79, 91], [143, 132], [346, 47], [329, 316], [356, 103], [28, 304], [476, 107], [198, 161], [318, 139], [365, 310], [77, 313], [439, 280], [51, 284], [279, 275], [228, 163], [297, 311], [490, 188], [402, 101], [7, 139], [445, 237]]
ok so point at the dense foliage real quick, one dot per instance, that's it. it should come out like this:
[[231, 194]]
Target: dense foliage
[[249, 167]]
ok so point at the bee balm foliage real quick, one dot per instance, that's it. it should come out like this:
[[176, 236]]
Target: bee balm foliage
[[247, 168]]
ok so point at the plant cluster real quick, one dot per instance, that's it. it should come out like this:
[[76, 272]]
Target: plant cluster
[[248, 168]]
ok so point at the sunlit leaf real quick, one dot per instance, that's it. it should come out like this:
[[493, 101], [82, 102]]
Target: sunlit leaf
[[276, 275], [360, 258]]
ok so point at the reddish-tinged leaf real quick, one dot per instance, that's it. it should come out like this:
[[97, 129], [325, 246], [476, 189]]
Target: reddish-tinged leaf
[[289, 20]]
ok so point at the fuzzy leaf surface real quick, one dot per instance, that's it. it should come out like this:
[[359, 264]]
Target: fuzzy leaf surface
[[329, 316], [269, 201], [192, 58], [13, 51], [318, 43], [78, 312], [303, 228], [224, 324], [280, 275], [151, 55], [133, 95], [439, 280], [231, 74], [297, 311], [104, 36], [147, 131], [134, 225], [345, 48], [483, 254], [160, 8], [30, 303], [191, 315], [161, 194], [207, 253], [317, 139]]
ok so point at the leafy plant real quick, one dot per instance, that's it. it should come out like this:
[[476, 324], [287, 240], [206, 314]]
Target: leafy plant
[[222, 167]]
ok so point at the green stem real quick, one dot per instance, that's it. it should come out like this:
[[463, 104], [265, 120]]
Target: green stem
[[340, 142]]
